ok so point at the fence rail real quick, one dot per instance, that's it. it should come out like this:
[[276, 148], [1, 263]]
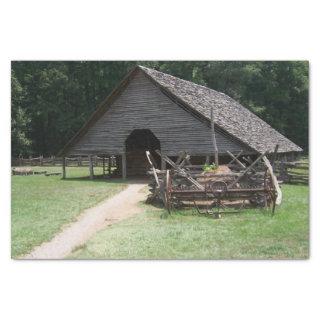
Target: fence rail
[[293, 172], [82, 161]]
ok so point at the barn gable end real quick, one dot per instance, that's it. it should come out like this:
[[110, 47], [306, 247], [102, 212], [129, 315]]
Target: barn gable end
[[142, 105]]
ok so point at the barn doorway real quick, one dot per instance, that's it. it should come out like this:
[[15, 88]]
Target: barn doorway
[[137, 143]]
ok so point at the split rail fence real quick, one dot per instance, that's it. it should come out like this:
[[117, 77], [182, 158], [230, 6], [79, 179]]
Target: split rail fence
[[70, 162], [293, 172]]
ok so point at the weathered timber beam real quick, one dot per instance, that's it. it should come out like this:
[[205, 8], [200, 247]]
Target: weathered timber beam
[[274, 156], [274, 180], [214, 141], [182, 155], [181, 171], [236, 159], [148, 154], [237, 156], [163, 164], [247, 170]]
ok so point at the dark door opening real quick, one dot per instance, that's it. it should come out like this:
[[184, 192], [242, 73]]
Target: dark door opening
[[137, 143]]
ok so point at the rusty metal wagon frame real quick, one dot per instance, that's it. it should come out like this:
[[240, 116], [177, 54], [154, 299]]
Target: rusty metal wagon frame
[[212, 193]]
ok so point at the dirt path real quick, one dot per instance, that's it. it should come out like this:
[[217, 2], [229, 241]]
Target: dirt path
[[110, 211]]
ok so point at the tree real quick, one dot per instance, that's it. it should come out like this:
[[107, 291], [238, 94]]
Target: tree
[[20, 143], [52, 100]]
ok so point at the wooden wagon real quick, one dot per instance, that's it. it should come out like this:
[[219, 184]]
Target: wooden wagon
[[215, 192]]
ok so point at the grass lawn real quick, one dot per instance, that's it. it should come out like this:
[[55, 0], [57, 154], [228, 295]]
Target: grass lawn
[[42, 205], [251, 234]]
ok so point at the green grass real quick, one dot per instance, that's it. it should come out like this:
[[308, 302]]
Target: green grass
[[42, 205], [251, 234]]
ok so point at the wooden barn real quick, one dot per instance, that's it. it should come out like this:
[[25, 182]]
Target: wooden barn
[[152, 110]]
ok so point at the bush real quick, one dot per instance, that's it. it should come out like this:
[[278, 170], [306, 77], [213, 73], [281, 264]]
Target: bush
[[209, 167]]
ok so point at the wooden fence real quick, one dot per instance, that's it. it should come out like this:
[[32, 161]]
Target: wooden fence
[[293, 172], [56, 161]]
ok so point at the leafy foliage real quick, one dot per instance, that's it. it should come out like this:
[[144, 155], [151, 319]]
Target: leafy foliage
[[209, 167], [19, 120], [52, 100]]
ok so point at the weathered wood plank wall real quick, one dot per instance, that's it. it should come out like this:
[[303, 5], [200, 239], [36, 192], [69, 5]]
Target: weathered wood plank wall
[[142, 105]]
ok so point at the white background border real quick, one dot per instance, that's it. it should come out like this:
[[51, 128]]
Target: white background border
[[166, 30]]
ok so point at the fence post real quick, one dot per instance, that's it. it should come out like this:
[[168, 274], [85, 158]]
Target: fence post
[[63, 168], [91, 167], [109, 165]]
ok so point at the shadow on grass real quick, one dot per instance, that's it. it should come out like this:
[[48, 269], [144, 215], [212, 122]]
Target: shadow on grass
[[192, 211]]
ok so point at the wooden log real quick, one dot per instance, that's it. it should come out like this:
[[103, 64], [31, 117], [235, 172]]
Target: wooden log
[[22, 171]]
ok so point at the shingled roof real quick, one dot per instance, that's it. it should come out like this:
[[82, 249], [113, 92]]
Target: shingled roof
[[229, 115]]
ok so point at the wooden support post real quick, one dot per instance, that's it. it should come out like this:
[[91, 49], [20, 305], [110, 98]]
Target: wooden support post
[[124, 166], [214, 141], [103, 166], [63, 168], [91, 167], [274, 157], [109, 165], [163, 164]]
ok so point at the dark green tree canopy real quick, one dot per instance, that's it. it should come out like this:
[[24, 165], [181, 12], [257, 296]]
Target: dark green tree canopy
[[52, 100]]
